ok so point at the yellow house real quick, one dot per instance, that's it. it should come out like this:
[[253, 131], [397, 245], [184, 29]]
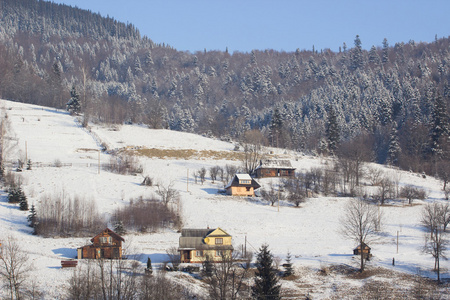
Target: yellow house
[[242, 185], [198, 244]]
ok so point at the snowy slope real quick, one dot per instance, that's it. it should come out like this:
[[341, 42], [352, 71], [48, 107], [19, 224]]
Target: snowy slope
[[310, 233]]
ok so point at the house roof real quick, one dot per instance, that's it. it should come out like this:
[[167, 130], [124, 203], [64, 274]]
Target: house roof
[[194, 239], [364, 246], [275, 164], [235, 181], [111, 233]]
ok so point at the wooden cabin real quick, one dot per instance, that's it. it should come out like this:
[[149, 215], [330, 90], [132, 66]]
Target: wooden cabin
[[365, 249], [106, 244], [274, 168], [197, 244], [242, 185]]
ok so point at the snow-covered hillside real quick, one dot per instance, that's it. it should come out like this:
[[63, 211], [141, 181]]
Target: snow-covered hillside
[[310, 233]]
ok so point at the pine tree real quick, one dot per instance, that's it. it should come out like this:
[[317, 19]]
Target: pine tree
[[33, 221], [73, 105], [207, 267], [266, 282], [149, 269], [357, 55], [118, 227], [289, 270], [440, 127], [23, 202], [394, 146], [385, 57], [332, 131]]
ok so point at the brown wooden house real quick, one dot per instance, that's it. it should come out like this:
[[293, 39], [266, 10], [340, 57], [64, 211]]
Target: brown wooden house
[[274, 168], [106, 244], [365, 249]]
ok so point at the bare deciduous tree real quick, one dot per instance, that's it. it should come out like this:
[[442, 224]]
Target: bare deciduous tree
[[433, 216], [252, 144], [14, 267], [410, 192], [167, 193], [359, 223], [213, 171], [270, 195], [227, 278], [174, 257]]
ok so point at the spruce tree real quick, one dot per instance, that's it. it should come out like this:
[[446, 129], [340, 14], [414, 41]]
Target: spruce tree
[[266, 282], [207, 267], [289, 270], [394, 146], [23, 203], [332, 131], [73, 105], [33, 221]]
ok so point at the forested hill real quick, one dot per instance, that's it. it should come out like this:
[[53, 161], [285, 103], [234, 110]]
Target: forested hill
[[391, 103]]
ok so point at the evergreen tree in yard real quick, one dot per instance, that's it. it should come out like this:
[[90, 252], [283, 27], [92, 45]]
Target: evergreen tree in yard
[[394, 146], [289, 270], [74, 106], [33, 219], [332, 130], [266, 282]]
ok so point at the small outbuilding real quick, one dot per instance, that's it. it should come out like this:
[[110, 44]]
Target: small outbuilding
[[242, 185], [106, 244], [274, 168]]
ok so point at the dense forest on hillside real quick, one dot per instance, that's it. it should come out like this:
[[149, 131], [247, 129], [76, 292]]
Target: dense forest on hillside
[[389, 104]]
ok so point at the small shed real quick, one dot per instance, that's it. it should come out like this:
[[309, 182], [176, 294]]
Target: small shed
[[365, 250], [274, 168], [242, 185]]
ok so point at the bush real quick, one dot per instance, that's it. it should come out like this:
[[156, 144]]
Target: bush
[[146, 215], [124, 164]]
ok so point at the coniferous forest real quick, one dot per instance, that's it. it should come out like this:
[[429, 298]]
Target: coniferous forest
[[387, 105]]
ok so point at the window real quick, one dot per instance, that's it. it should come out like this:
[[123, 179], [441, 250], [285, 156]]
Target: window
[[219, 241], [219, 252], [199, 253], [105, 239]]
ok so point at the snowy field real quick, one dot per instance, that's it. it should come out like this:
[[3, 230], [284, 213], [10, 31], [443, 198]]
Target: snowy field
[[310, 233]]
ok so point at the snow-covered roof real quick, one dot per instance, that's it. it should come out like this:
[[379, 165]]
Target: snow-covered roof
[[235, 181], [275, 163]]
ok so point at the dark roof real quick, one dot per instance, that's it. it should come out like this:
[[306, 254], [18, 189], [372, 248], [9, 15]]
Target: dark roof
[[364, 246], [111, 233], [235, 182], [193, 239], [275, 164]]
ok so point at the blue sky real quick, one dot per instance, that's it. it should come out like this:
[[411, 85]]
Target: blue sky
[[283, 25]]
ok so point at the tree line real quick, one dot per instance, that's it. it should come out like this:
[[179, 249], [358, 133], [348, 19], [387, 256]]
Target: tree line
[[395, 97]]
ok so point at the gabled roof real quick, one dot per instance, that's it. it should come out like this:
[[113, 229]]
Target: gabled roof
[[235, 181], [194, 239], [111, 233], [275, 164]]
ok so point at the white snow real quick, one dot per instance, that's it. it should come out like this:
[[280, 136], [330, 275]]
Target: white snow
[[310, 233]]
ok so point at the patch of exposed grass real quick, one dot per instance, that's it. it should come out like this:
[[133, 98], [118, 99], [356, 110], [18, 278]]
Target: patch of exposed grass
[[185, 153]]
